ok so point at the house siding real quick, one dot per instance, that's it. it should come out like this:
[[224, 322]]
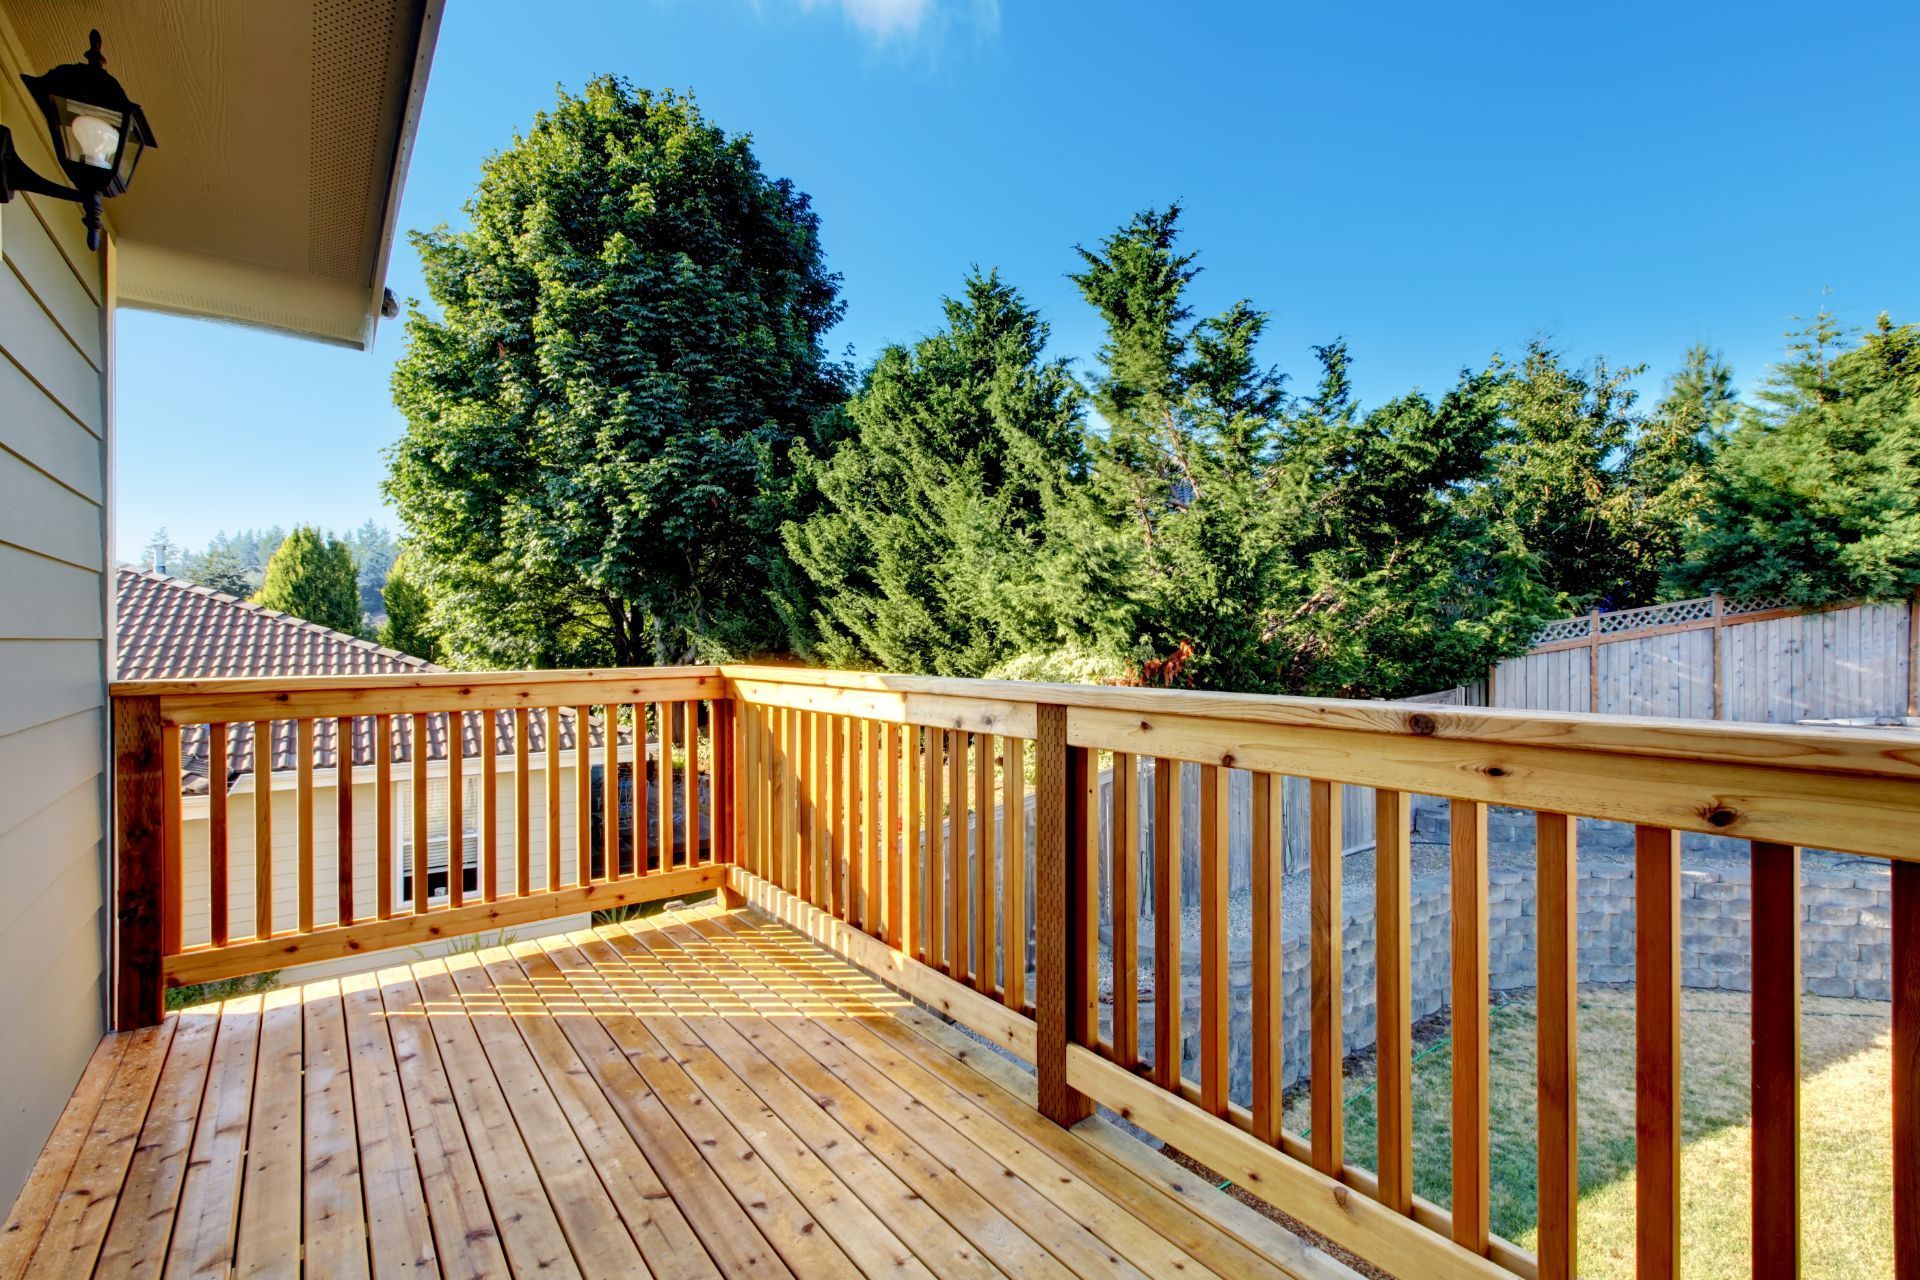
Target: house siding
[[54, 549], [196, 921]]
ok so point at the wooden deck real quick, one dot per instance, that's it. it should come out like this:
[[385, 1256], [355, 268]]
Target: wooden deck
[[696, 1094]]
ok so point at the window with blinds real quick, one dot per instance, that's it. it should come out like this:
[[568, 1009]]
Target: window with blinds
[[437, 837]]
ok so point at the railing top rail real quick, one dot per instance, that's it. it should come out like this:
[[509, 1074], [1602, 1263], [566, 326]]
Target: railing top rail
[[1892, 753], [185, 702]]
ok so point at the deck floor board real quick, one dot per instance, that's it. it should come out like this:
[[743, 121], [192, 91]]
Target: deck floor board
[[697, 1093]]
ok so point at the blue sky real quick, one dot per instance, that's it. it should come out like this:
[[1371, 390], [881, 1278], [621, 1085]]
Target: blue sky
[[1435, 182]]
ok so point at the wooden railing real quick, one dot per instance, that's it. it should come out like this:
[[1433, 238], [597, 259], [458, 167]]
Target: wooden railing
[[336, 735], [947, 835], [886, 816]]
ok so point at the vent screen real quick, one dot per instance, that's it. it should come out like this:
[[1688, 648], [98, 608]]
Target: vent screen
[[354, 55]]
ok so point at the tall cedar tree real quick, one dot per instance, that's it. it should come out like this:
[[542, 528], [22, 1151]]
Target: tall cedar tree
[[1557, 474], [1816, 494], [313, 576], [1188, 414], [1392, 582], [1668, 475], [599, 418], [952, 531]]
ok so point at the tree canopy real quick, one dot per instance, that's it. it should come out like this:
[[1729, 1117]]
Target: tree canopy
[[313, 576], [628, 342], [950, 531], [1815, 495]]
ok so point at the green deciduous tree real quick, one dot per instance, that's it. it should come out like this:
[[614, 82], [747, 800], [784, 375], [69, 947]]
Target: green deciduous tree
[[951, 530], [599, 419], [1816, 493], [314, 577]]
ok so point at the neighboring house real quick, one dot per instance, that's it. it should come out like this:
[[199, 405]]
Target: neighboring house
[[283, 136], [169, 628]]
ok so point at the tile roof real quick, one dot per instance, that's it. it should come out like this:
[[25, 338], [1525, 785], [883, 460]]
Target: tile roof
[[171, 629]]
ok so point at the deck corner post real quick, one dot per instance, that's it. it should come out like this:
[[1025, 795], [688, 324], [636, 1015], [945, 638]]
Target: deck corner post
[[1055, 928], [139, 828]]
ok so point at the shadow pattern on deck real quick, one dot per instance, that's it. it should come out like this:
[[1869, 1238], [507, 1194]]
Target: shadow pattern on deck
[[694, 1094]]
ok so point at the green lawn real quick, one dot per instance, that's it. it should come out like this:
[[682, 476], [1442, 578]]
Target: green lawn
[[1846, 1160]]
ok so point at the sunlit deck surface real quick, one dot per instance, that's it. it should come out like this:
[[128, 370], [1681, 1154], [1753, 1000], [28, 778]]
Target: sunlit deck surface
[[698, 1093]]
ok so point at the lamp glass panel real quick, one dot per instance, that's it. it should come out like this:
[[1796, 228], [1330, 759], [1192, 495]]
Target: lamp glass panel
[[129, 157], [91, 134]]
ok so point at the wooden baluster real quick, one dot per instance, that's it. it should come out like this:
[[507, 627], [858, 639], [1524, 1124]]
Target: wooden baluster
[[1083, 908], [303, 820], [984, 961], [690, 783], [1013, 879], [1326, 1045], [418, 756], [1656, 892], [753, 780], [958, 890], [522, 802], [383, 815], [642, 831], [663, 722], [1776, 1059], [263, 829], [1061, 943], [552, 777], [1216, 1014], [1268, 873], [835, 772], [343, 748], [799, 844], [891, 835], [726, 819], [217, 871], [915, 852], [853, 841], [172, 899], [1393, 995], [140, 781], [1166, 924], [1906, 1070], [1471, 1168], [1124, 889], [820, 800], [1558, 966], [489, 742], [582, 795], [936, 839], [873, 828], [456, 808]]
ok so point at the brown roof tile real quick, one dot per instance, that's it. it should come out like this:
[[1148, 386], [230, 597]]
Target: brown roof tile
[[171, 629]]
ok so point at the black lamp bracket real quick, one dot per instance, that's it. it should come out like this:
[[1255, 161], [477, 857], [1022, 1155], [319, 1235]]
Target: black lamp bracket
[[16, 176]]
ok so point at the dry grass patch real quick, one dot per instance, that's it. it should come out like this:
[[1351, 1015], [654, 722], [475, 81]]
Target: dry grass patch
[[1846, 1169]]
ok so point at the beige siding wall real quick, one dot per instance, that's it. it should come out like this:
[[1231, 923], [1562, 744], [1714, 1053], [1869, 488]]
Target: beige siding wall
[[53, 650]]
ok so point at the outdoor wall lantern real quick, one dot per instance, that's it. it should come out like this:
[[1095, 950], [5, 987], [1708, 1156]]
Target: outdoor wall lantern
[[98, 133]]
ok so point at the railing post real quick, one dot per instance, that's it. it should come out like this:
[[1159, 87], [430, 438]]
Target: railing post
[[139, 831], [1060, 932]]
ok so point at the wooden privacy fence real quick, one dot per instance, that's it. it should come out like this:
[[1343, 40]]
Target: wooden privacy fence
[[869, 812], [1716, 659]]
